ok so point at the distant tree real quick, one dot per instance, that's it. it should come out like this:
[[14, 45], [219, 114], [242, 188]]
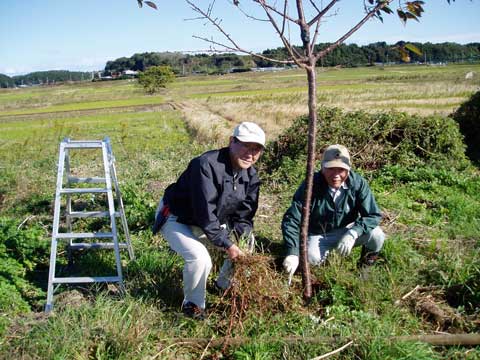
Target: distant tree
[[6, 81], [155, 78], [51, 77]]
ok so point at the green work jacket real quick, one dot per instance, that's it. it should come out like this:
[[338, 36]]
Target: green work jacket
[[357, 206]]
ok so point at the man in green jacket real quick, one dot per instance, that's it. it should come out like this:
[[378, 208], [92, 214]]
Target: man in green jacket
[[343, 214]]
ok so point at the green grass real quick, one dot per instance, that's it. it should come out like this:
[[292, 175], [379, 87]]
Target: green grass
[[92, 105], [432, 227]]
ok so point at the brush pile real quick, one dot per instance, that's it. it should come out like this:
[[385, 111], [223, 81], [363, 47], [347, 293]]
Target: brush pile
[[257, 288]]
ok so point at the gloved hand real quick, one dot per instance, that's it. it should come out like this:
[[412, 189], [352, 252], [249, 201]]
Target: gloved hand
[[290, 263], [345, 244]]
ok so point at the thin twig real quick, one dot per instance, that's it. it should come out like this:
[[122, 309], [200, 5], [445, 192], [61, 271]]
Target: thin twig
[[410, 292], [24, 221], [324, 356], [234, 46], [208, 345]]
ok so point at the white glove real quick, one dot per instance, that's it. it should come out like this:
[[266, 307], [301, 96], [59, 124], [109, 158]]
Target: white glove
[[290, 263], [345, 244]]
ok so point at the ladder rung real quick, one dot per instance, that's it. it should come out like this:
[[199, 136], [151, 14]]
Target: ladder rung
[[88, 214], [85, 279], [84, 145], [78, 246], [83, 190], [97, 235], [85, 180]]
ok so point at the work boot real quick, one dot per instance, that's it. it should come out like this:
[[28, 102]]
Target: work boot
[[193, 311], [367, 258]]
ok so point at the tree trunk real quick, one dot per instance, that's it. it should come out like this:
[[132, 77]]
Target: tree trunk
[[312, 130]]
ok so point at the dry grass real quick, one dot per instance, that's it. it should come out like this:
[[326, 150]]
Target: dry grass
[[274, 100], [257, 289]]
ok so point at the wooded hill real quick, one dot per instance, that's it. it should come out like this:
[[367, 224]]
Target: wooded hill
[[43, 77], [350, 55], [345, 55]]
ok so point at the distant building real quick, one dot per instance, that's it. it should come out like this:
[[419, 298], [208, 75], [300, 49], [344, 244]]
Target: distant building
[[269, 69], [130, 73]]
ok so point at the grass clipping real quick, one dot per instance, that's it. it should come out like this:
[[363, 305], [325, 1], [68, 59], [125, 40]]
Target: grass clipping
[[257, 290]]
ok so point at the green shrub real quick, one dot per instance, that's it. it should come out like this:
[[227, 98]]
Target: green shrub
[[374, 140], [155, 77], [139, 207], [22, 252], [468, 118]]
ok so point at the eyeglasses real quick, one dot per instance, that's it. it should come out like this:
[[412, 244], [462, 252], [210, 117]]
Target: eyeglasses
[[252, 148]]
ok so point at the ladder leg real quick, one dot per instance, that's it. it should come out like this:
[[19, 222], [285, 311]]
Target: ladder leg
[[111, 209], [51, 276], [121, 209], [56, 221]]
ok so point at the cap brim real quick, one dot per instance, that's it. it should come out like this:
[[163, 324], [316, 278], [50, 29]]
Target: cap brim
[[251, 139], [336, 164]]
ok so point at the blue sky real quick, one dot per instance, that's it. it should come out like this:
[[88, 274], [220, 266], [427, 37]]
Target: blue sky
[[83, 35]]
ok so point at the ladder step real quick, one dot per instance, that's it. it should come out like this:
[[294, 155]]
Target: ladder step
[[85, 180], [85, 279], [90, 214], [97, 235], [83, 190], [78, 246], [84, 145]]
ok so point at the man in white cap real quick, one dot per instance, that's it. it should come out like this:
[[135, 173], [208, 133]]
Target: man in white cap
[[215, 199], [343, 214]]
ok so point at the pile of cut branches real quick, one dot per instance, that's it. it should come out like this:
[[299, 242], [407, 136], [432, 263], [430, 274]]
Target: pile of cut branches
[[257, 288]]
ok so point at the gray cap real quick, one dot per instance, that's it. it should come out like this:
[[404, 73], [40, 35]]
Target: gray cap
[[336, 156], [249, 132]]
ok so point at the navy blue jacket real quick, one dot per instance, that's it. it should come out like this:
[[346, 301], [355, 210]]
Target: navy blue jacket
[[207, 195]]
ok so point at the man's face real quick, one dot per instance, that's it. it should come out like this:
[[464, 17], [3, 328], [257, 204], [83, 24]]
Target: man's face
[[244, 154], [335, 176]]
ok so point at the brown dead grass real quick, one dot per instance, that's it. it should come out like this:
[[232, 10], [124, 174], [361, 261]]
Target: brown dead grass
[[257, 288]]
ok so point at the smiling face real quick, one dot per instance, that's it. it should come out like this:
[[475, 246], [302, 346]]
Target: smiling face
[[335, 176], [244, 154]]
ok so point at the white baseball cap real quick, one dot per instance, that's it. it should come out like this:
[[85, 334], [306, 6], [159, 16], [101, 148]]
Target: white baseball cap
[[249, 132]]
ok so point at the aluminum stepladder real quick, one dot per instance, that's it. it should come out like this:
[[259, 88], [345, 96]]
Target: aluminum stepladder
[[110, 178]]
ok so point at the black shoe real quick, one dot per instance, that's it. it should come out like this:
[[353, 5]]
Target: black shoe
[[193, 311], [367, 258], [214, 289]]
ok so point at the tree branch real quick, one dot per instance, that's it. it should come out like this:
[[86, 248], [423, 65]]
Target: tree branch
[[296, 57], [322, 13], [282, 14], [229, 48], [352, 30]]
